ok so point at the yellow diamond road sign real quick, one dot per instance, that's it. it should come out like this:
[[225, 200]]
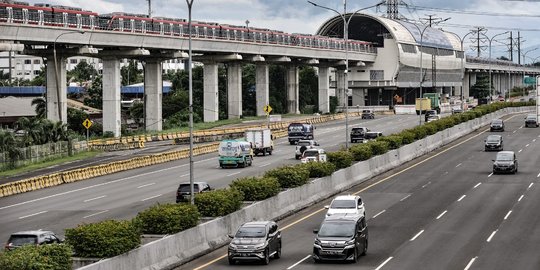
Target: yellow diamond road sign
[[267, 109], [87, 123]]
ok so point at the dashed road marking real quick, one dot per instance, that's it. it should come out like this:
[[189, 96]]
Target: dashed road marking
[[382, 264], [507, 215], [458, 165], [234, 173], [148, 185], [490, 174], [404, 198], [491, 236], [521, 197], [379, 213], [297, 263], [96, 198], [477, 185], [95, 214], [442, 214], [530, 186], [461, 198], [35, 214], [416, 236], [470, 263], [149, 198]]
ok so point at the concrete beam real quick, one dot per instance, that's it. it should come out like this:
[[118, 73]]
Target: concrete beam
[[234, 90], [111, 96], [218, 58], [292, 90], [340, 89], [56, 89], [7, 47], [153, 94], [262, 88], [324, 88], [279, 59], [211, 90]]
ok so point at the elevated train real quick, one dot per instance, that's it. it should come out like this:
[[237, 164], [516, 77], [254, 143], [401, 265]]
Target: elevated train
[[73, 17]]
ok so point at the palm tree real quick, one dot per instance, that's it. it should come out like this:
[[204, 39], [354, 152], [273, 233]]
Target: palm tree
[[8, 145], [41, 107], [33, 130]]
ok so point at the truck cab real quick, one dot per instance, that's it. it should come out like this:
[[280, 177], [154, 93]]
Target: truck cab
[[300, 131], [235, 153]]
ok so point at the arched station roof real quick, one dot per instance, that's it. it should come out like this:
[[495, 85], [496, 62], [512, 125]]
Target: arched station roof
[[371, 28]]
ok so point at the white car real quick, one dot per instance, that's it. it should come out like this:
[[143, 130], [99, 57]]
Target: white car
[[314, 155], [346, 204], [433, 117], [302, 146]]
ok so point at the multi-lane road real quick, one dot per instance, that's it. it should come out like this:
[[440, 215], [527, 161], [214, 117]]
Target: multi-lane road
[[123, 195], [445, 210]]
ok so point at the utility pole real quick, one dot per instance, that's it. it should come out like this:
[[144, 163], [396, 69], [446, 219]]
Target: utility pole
[[519, 48], [511, 49], [149, 8], [431, 19], [392, 9]]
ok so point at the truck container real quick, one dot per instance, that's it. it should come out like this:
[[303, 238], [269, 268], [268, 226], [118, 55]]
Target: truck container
[[235, 153], [300, 131], [426, 105], [435, 99], [261, 140]]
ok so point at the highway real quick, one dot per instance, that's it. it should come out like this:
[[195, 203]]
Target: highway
[[445, 210], [123, 195]]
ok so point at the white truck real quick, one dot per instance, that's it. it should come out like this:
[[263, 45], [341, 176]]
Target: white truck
[[261, 140], [235, 153]]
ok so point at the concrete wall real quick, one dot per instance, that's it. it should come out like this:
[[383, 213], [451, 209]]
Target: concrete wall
[[179, 248]]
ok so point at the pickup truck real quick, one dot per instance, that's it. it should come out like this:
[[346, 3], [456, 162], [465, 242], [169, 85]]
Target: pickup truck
[[357, 133]]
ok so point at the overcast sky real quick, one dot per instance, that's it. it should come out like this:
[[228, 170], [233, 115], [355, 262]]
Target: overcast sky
[[298, 16]]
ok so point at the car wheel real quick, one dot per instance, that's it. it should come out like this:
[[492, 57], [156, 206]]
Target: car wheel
[[242, 165], [364, 252], [266, 259], [278, 252], [316, 260], [232, 261], [355, 255]]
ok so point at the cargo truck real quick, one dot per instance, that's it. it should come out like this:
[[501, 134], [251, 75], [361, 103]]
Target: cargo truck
[[261, 141], [422, 104], [300, 131], [435, 99], [235, 153]]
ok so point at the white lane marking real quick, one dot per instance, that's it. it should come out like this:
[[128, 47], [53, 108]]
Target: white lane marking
[[490, 174], [470, 263], [184, 175], [514, 131], [96, 198], [149, 198], [300, 261], [382, 264], [416, 236], [445, 172], [534, 140], [442, 214], [35, 214], [95, 214], [461, 198], [379, 213], [405, 198], [520, 198], [458, 165], [491, 236], [426, 184], [538, 175], [527, 145], [477, 185], [264, 165], [92, 186], [233, 173], [148, 185], [507, 215], [520, 150], [276, 151], [204, 160], [521, 127], [530, 185]]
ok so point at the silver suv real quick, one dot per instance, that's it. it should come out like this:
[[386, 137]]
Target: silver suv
[[302, 146], [258, 240], [20, 239]]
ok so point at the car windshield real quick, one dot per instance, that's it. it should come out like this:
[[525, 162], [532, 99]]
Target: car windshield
[[19, 240], [185, 188], [251, 232], [492, 139], [304, 143], [296, 128], [531, 117], [357, 130], [343, 204], [337, 229], [366, 111], [311, 153], [504, 157]]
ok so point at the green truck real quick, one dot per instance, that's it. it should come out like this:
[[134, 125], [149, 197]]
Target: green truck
[[235, 153], [435, 101]]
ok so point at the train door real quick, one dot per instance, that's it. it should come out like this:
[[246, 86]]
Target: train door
[[91, 22], [121, 24], [143, 27], [41, 17], [79, 21], [24, 15], [132, 25], [161, 30], [65, 19]]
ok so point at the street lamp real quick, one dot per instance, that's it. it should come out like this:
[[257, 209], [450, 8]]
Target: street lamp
[[247, 27], [346, 23], [525, 53], [524, 60], [461, 40], [421, 66], [56, 71], [191, 188], [489, 62]]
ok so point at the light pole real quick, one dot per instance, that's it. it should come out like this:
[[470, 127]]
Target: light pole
[[346, 38], [524, 60], [56, 72], [421, 67], [247, 27], [461, 40], [489, 62], [190, 74]]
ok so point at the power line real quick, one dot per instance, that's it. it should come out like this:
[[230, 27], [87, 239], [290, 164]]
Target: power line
[[479, 13], [492, 27]]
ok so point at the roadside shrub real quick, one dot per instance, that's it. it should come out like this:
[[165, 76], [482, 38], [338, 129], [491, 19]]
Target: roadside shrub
[[407, 136], [103, 239], [361, 152], [256, 188], [340, 159], [289, 176], [219, 202], [394, 141], [431, 128], [30, 257], [379, 147], [439, 125], [320, 169], [420, 132], [167, 218]]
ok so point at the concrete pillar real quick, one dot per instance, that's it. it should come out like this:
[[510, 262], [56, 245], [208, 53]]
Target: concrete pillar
[[340, 87], [324, 86], [153, 94], [466, 84], [292, 90], [56, 96], [111, 96], [210, 88], [234, 90], [358, 97], [262, 88]]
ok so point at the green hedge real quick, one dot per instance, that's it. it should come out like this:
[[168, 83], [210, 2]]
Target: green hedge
[[379, 147], [167, 218], [30, 257], [340, 159], [289, 176], [219, 202], [255, 188], [394, 141], [103, 239], [320, 169], [361, 152], [407, 136]]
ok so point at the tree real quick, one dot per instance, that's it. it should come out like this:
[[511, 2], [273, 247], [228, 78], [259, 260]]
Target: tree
[[249, 94], [95, 94], [40, 107], [40, 79], [131, 74], [309, 90], [33, 130], [278, 89], [481, 88], [82, 72], [503, 58], [8, 145], [136, 112]]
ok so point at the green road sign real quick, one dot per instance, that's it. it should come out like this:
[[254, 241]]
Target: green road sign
[[529, 80]]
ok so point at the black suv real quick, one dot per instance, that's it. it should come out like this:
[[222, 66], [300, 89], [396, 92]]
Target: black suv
[[184, 190], [372, 135], [357, 134], [368, 114], [496, 125], [493, 142], [258, 240], [428, 113], [505, 162], [341, 237], [19, 239], [531, 121]]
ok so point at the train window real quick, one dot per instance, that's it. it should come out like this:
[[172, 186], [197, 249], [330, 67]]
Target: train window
[[65, 21], [161, 28], [25, 15], [33, 16], [138, 25], [79, 21]]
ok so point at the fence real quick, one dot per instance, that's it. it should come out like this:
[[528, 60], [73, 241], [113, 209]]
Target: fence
[[37, 153]]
